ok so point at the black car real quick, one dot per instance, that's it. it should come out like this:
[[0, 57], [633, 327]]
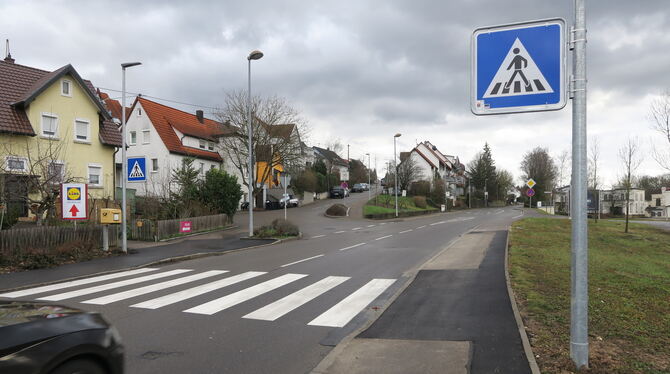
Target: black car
[[337, 192], [54, 339]]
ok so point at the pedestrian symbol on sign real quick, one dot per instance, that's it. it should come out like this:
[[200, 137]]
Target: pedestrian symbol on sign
[[136, 171], [518, 75]]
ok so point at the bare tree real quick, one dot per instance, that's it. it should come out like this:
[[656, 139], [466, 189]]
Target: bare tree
[[408, 172], [563, 163], [629, 155], [660, 118], [277, 129], [593, 176], [32, 173]]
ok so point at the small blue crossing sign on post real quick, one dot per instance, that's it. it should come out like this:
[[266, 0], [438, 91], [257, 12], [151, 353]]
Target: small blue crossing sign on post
[[518, 67], [137, 169]]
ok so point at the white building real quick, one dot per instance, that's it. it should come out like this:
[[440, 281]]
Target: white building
[[659, 206], [434, 164], [165, 137]]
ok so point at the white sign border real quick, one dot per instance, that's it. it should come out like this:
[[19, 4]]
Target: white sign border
[[62, 201]]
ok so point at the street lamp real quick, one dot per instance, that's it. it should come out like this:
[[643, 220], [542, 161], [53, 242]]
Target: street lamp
[[254, 55], [124, 157], [395, 185], [367, 154]]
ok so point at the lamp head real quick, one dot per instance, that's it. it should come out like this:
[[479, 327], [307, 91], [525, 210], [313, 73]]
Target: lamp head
[[397, 135], [255, 55], [130, 64]]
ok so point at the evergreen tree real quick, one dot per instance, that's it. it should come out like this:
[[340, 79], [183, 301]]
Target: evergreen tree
[[482, 172], [221, 193]]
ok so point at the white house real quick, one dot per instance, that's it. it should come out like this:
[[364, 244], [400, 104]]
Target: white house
[[659, 206], [165, 137], [434, 164]]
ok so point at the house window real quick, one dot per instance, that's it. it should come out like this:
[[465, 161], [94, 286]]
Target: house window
[[203, 144], [66, 88], [55, 172], [658, 202], [133, 137], [95, 175], [210, 146], [154, 165], [49, 125], [212, 167], [82, 130], [146, 136], [139, 112], [17, 164]]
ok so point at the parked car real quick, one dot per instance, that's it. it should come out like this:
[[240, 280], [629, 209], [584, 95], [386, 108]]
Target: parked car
[[337, 192], [292, 201], [358, 187], [271, 203], [55, 339], [366, 187], [244, 205]]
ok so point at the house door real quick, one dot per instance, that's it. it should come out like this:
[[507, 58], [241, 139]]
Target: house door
[[15, 194]]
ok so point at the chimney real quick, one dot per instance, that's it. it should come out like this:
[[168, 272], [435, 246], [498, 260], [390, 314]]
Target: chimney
[[8, 57], [200, 115]]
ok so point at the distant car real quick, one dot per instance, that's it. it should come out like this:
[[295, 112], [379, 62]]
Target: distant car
[[366, 187], [337, 192], [271, 204], [55, 339], [358, 187], [292, 201]]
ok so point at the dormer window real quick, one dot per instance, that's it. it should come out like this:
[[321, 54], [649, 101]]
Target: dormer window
[[203, 144], [66, 88], [210, 146]]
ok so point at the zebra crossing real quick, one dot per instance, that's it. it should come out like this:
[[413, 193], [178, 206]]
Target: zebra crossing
[[104, 290]]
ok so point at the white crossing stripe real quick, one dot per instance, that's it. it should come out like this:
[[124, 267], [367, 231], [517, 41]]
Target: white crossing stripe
[[238, 297], [280, 307], [299, 261], [74, 283], [109, 286], [152, 288], [344, 311], [196, 291]]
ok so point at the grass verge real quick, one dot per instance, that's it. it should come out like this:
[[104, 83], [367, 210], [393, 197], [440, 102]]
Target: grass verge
[[386, 204], [629, 294]]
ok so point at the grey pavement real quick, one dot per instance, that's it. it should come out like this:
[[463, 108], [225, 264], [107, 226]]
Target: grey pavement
[[280, 308]]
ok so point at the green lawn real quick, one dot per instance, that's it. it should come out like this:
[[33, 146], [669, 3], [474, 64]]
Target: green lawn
[[386, 204], [629, 294]]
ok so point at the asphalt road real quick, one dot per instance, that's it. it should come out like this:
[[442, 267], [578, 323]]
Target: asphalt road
[[275, 309]]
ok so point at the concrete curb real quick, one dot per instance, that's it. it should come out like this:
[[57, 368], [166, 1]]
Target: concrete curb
[[517, 316], [228, 228], [153, 263], [410, 275]]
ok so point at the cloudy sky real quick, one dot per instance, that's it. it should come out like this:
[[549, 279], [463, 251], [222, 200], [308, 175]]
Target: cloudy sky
[[359, 71]]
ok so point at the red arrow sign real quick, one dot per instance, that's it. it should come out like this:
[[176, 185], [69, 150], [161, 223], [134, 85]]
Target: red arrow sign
[[74, 211]]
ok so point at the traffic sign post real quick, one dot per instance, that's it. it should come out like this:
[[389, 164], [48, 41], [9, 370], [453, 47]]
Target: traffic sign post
[[74, 201], [530, 193], [531, 183], [518, 67]]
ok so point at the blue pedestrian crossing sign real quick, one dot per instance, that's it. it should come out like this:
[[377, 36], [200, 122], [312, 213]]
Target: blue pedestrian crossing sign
[[519, 68], [137, 169]]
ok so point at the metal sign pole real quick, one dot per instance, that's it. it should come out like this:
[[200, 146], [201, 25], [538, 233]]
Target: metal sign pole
[[579, 344]]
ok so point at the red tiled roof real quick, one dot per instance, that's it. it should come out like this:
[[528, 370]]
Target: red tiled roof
[[19, 85], [165, 118], [113, 105]]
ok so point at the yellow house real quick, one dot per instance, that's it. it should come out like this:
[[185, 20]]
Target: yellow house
[[53, 129]]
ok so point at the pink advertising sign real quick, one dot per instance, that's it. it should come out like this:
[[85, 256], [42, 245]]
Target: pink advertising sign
[[185, 227]]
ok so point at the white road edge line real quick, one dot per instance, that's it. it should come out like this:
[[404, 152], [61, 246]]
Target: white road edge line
[[353, 246], [318, 236], [402, 232], [515, 217], [299, 261], [384, 237]]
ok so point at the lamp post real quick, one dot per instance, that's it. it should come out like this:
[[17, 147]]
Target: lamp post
[[395, 185], [124, 157], [367, 154], [486, 193], [254, 55]]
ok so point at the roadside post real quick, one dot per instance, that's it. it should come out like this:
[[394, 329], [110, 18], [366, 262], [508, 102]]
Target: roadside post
[[530, 183], [74, 201], [519, 68], [108, 216], [285, 180]]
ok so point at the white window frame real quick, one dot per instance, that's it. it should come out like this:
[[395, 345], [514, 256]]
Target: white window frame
[[154, 170], [69, 86], [130, 138], [88, 131], [100, 176], [202, 144], [202, 168], [146, 136], [210, 146], [17, 158], [48, 136], [62, 164]]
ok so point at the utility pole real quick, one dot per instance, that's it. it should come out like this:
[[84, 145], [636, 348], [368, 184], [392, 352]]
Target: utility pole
[[579, 343]]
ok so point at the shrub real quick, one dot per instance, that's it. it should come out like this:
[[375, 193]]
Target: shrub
[[420, 202], [420, 188], [338, 210], [278, 227], [438, 195]]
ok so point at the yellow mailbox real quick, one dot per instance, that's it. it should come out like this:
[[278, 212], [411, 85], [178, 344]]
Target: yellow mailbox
[[110, 215]]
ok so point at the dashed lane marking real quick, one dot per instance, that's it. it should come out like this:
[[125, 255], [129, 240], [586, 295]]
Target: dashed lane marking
[[352, 246], [299, 261], [384, 237]]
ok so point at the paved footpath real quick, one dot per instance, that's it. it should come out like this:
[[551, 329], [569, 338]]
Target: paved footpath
[[455, 317]]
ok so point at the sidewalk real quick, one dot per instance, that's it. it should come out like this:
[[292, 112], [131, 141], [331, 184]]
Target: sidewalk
[[139, 254], [455, 317]]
